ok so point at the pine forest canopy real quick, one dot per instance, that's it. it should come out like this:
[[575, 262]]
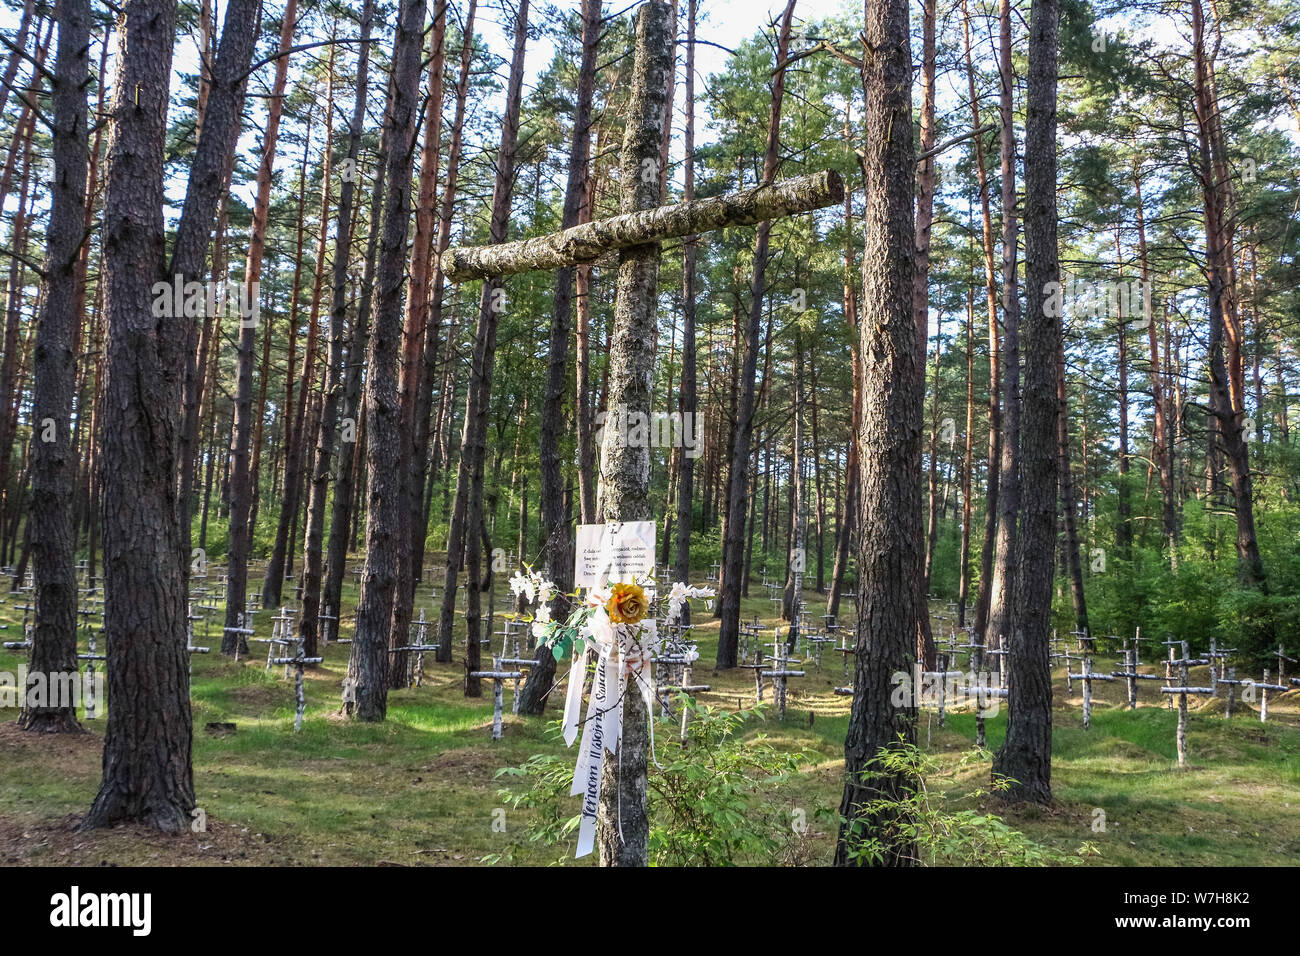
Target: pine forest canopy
[[357, 308]]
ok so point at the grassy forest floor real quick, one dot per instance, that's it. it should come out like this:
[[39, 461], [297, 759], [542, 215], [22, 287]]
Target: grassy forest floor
[[422, 788]]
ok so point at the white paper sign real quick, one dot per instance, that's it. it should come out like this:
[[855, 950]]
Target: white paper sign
[[618, 551]]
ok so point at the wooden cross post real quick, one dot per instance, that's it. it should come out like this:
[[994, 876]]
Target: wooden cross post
[[1169, 666], [976, 664], [1282, 661], [686, 687], [1088, 676], [525, 664], [498, 677], [1131, 674], [326, 619], [90, 658], [942, 675], [780, 674], [190, 648], [1264, 687], [281, 634], [243, 631], [1183, 663], [297, 661], [635, 234]]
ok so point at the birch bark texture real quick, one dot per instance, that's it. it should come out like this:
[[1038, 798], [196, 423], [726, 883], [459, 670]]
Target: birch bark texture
[[593, 240]]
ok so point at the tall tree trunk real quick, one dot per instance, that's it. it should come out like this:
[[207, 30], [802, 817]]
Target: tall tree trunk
[[798, 512], [852, 466], [148, 775], [243, 476], [419, 357], [209, 181], [582, 371], [1003, 581], [1123, 496], [446, 397], [318, 487], [984, 595], [462, 536], [298, 452], [1074, 566], [890, 558], [53, 465], [1161, 434], [926, 184], [352, 418], [1025, 757], [387, 540], [1225, 358], [687, 401], [9, 361], [558, 549], [968, 458], [423, 468], [622, 821], [733, 552]]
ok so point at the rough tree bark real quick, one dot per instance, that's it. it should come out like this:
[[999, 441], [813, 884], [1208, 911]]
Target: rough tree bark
[[1003, 580], [53, 456], [1161, 448], [423, 468], [1226, 370], [298, 426], [352, 417], [318, 487], [148, 775], [243, 477], [851, 466], [1026, 754], [385, 519], [688, 402], [926, 181], [463, 532], [209, 179], [1074, 565], [890, 556], [425, 435], [558, 548], [419, 353], [829, 185], [985, 591]]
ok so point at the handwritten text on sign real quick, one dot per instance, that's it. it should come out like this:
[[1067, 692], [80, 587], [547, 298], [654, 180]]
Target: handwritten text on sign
[[617, 551]]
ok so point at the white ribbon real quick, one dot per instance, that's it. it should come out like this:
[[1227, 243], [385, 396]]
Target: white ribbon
[[622, 650]]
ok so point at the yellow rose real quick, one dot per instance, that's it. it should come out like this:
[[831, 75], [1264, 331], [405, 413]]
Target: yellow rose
[[627, 604]]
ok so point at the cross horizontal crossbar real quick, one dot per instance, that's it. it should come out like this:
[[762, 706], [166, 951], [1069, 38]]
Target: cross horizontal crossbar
[[590, 241]]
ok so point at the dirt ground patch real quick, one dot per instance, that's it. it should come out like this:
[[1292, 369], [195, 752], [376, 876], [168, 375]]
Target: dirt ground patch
[[35, 842]]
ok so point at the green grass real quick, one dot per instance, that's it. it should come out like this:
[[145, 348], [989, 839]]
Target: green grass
[[421, 787]]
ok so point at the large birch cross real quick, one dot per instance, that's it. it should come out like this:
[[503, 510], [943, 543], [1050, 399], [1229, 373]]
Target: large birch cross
[[636, 234]]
